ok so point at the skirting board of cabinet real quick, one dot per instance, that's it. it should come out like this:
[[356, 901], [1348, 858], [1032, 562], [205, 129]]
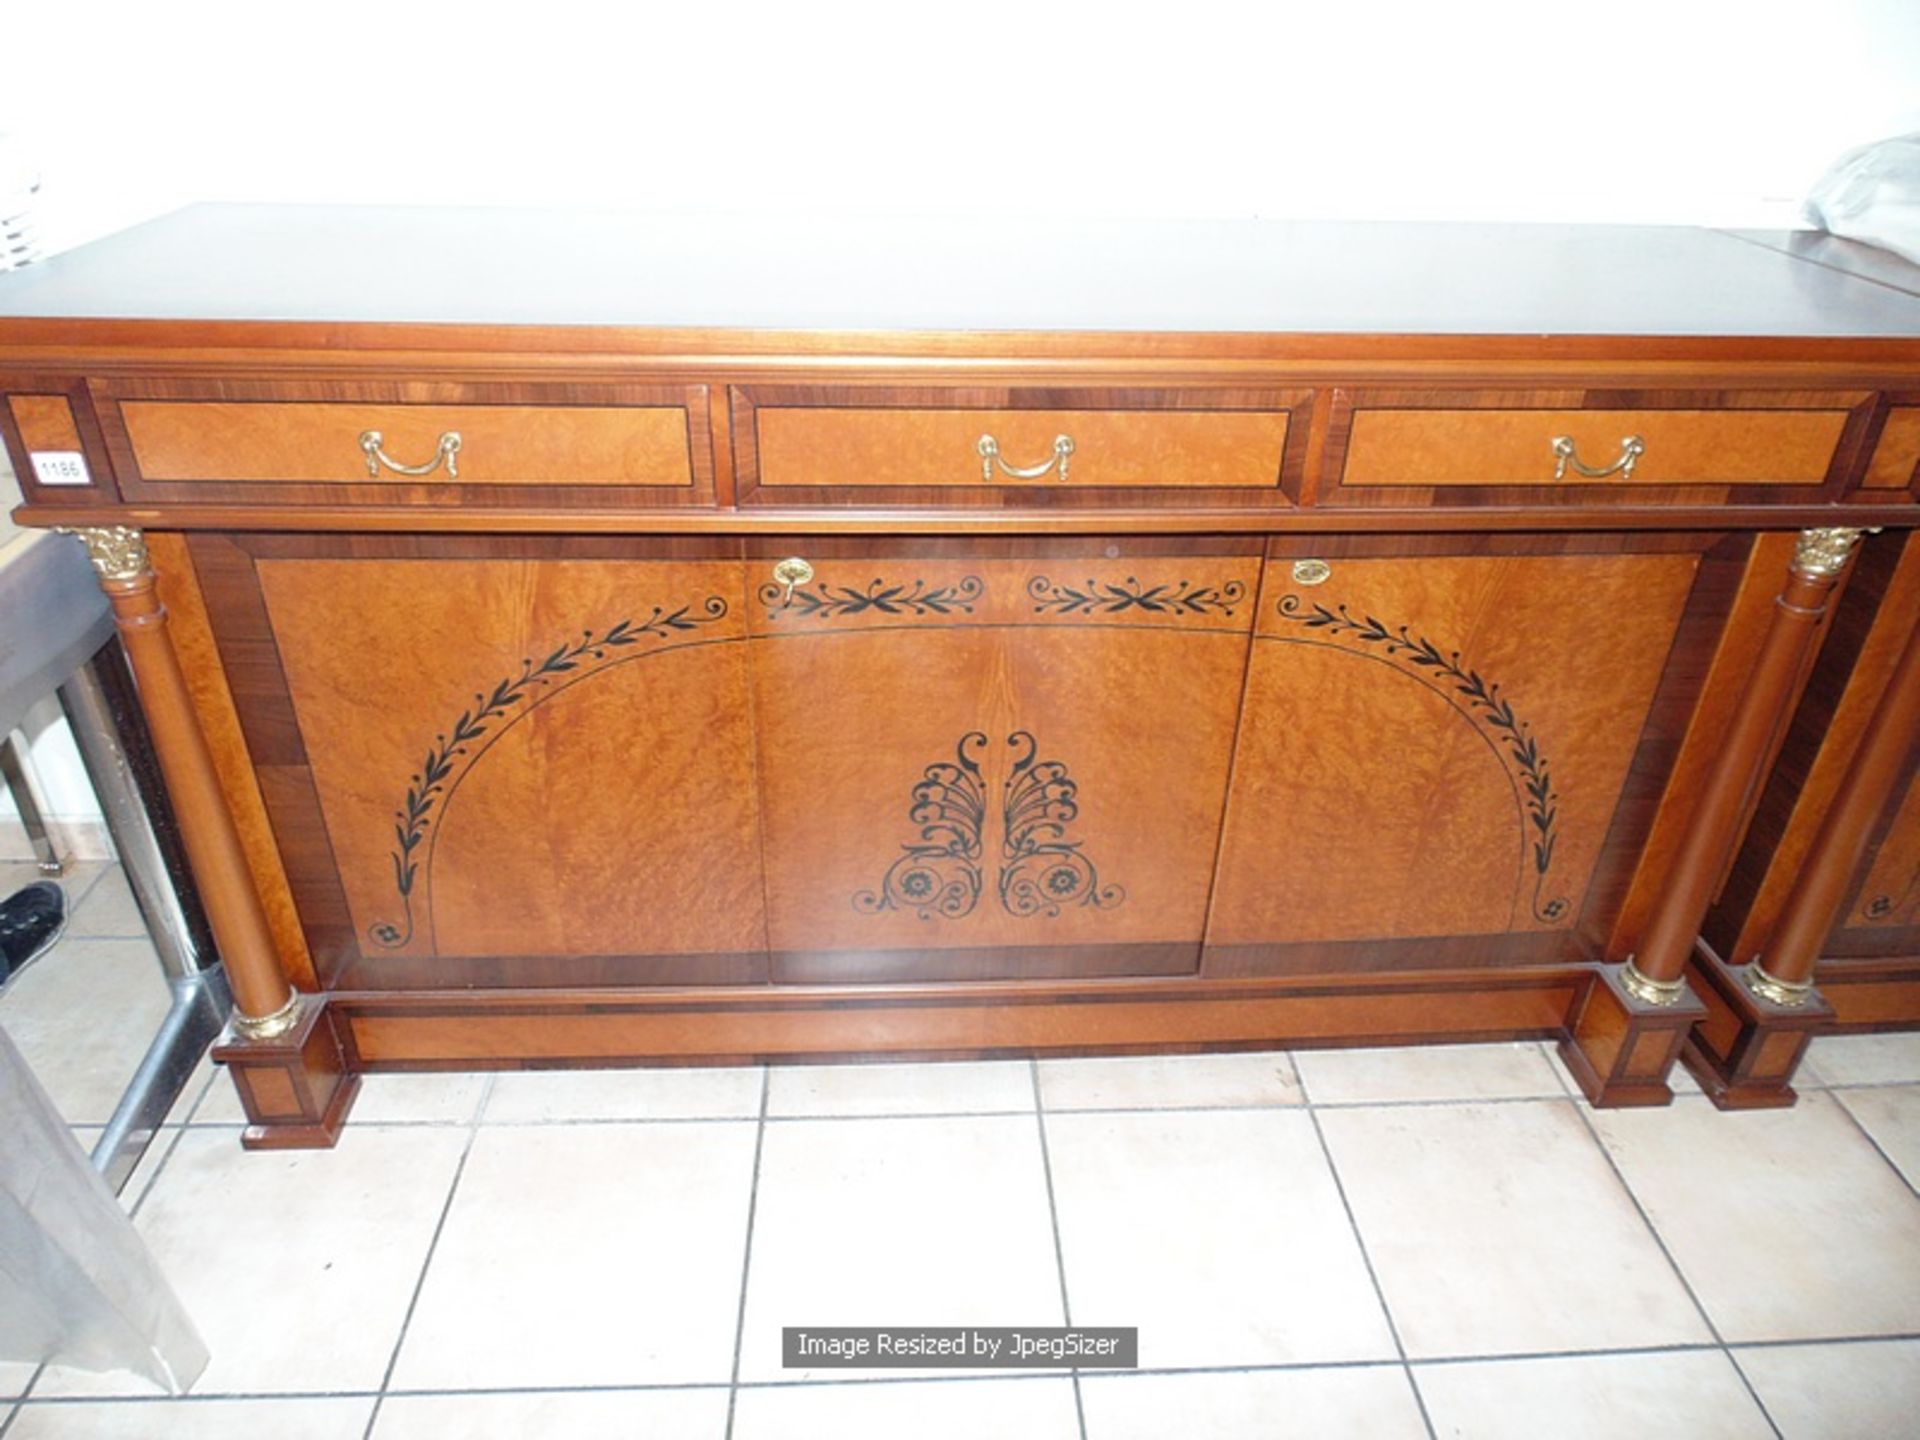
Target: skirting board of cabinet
[[560, 1029], [1868, 995]]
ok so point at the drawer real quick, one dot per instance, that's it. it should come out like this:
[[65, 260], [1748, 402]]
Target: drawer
[[816, 445], [1896, 458], [431, 444], [1693, 447]]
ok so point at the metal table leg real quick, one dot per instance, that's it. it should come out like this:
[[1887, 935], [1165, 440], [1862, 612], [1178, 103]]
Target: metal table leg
[[102, 709]]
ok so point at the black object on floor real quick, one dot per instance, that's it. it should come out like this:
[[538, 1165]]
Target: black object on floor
[[30, 921]]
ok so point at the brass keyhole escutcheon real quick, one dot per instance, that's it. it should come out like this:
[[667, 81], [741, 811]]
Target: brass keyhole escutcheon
[[1311, 572], [787, 574]]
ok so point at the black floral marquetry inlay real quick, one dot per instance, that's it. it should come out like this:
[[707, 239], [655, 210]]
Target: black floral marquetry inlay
[[1104, 597], [1041, 872], [454, 749], [1044, 870], [833, 602], [939, 874], [1474, 696]]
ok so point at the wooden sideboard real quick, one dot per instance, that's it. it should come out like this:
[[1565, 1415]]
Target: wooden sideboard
[[597, 640]]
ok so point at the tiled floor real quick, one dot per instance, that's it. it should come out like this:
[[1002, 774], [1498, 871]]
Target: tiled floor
[[1409, 1243]]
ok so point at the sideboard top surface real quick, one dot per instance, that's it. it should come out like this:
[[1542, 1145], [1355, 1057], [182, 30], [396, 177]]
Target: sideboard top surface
[[348, 264]]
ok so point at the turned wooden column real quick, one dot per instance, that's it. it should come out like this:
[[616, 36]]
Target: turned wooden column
[[1782, 973], [1655, 973], [265, 1005]]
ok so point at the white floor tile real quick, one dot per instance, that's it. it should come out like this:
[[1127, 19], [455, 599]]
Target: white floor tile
[[14, 1375], [1868, 1390], [1146, 1082], [83, 1015], [1220, 1234], [1349, 1403], [1678, 1395], [447, 1097], [586, 1255], [1891, 1059], [959, 1087], [108, 910], [1891, 1115], [679, 1093], [654, 1414], [1428, 1072], [1786, 1222], [923, 1221], [298, 1265], [1500, 1229], [1033, 1408], [189, 1419]]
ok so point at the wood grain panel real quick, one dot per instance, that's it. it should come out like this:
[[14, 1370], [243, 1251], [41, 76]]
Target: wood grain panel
[[1868, 630], [500, 444], [1024, 759], [1436, 746], [199, 656], [705, 1027], [556, 763], [1494, 446], [46, 422], [563, 441], [1732, 658], [1515, 447], [1896, 459], [1111, 448], [1889, 893], [903, 445]]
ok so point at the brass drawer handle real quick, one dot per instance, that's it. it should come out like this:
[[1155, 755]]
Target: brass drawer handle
[[1631, 449], [788, 573], [989, 449], [1311, 572], [372, 440]]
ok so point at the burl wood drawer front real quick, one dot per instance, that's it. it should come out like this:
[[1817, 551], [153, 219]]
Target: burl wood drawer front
[[1385, 446], [1432, 751], [409, 444], [976, 767], [817, 445]]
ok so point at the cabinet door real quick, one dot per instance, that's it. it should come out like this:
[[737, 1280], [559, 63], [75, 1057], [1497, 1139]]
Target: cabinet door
[[984, 764], [1434, 750], [489, 768]]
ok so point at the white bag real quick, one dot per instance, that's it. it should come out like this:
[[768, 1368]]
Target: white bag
[[1873, 194]]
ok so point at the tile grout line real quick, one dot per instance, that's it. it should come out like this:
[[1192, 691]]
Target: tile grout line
[[1581, 1109], [746, 1255], [816, 1117], [426, 1263], [179, 1134], [1860, 1125], [1682, 1348], [1053, 1218], [1366, 1259]]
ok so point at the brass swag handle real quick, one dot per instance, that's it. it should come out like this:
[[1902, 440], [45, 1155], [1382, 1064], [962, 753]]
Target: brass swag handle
[[989, 449], [1631, 449], [788, 573], [372, 440]]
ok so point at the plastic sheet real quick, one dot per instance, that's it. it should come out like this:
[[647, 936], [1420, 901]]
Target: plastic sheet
[[1873, 195], [77, 1284]]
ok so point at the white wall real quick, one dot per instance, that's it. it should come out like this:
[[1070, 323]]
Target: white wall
[[1713, 111], [1686, 111]]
